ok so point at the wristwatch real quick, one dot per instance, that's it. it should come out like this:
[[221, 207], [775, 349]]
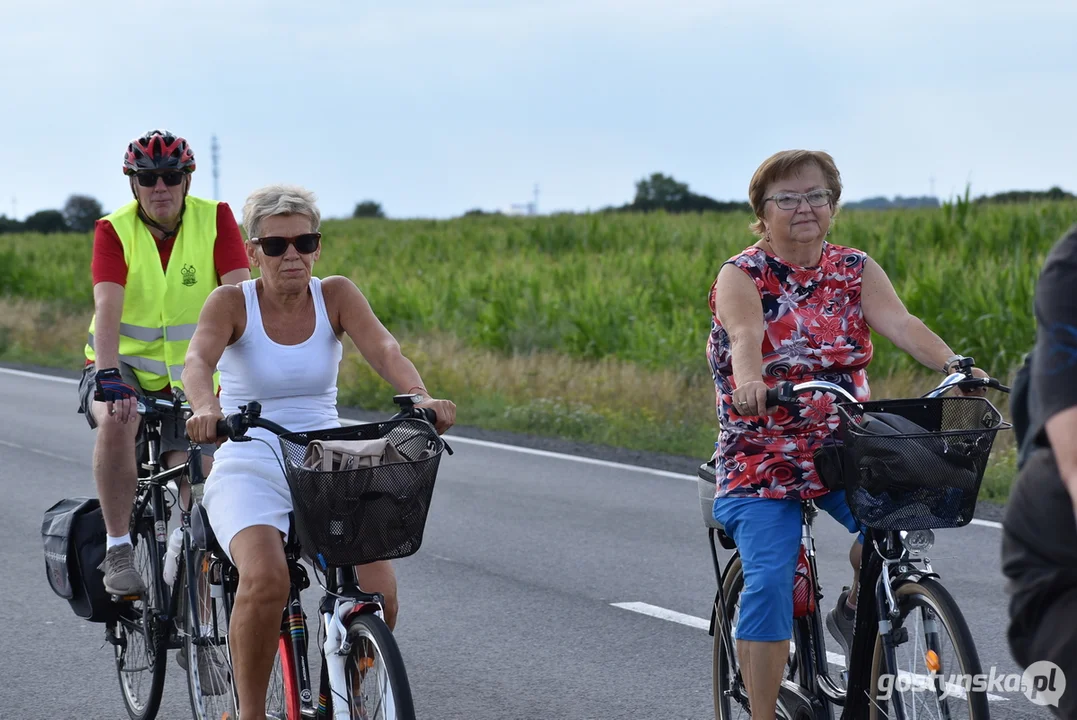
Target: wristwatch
[[953, 359]]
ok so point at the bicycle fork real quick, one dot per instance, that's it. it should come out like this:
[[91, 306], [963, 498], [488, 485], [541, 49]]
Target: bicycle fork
[[338, 646]]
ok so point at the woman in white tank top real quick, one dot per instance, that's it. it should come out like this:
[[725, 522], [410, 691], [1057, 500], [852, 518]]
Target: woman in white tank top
[[276, 340]]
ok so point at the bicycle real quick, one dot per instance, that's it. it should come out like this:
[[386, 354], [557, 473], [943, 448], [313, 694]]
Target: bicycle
[[144, 628], [896, 578], [340, 519]]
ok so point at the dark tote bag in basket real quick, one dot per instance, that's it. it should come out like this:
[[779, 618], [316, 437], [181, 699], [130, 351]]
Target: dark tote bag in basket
[[372, 510], [916, 464]]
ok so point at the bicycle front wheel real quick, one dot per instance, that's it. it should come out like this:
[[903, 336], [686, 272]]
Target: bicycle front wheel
[[935, 664], [140, 636], [205, 652], [378, 686]]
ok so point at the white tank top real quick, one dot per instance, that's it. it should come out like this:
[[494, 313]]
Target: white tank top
[[295, 384]]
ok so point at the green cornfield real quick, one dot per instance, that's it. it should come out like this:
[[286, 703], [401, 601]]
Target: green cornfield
[[594, 327], [634, 287]]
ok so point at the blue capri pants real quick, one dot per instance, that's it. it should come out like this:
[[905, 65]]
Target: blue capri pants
[[767, 533]]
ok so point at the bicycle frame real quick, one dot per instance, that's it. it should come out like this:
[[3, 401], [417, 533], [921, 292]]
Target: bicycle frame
[[342, 600], [150, 496], [884, 564]]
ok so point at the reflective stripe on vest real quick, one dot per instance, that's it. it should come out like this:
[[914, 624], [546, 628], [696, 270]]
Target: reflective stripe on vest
[[161, 306], [180, 332]]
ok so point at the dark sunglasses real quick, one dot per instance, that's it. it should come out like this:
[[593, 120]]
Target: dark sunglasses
[[275, 245], [172, 178]]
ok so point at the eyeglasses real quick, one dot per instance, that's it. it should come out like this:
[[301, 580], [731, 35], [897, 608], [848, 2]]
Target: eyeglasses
[[791, 201], [275, 245], [148, 179]]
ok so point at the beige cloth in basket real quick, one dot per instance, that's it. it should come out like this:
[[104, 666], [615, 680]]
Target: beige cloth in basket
[[339, 455]]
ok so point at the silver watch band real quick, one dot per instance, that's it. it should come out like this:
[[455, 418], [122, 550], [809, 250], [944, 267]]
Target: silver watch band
[[952, 359]]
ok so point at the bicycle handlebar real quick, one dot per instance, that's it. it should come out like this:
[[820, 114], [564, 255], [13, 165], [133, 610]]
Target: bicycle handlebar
[[147, 404], [235, 425], [785, 392]]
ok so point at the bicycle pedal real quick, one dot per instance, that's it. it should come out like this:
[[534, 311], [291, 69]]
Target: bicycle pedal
[[126, 598]]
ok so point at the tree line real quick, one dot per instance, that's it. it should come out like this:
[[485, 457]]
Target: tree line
[[78, 215], [657, 192]]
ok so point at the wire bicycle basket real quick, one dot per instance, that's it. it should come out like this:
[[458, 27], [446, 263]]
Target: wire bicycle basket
[[364, 514], [913, 464]]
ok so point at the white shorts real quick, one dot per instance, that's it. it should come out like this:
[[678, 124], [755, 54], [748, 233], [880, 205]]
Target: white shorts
[[243, 491]]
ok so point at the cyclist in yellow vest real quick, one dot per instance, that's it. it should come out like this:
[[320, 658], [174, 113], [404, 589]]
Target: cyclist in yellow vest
[[155, 261]]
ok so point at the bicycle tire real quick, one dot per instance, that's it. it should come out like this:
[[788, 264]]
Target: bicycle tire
[[220, 700], [731, 589], [930, 592], [376, 634], [155, 637]]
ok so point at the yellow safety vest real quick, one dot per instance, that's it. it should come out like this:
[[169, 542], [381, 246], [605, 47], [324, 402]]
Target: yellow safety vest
[[161, 308]]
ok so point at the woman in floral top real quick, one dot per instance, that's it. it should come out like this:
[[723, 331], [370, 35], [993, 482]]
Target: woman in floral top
[[793, 306]]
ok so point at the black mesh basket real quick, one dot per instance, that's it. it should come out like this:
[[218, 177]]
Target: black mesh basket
[[357, 516], [926, 478]]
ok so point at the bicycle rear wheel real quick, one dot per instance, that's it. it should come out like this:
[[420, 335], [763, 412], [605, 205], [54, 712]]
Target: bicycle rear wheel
[[140, 638], [378, 686], [936, 662], [730, 692]]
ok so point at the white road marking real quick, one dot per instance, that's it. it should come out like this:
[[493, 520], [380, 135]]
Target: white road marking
[[39, 376], [501, 446], [664, 614], [46, 453], [919, 682]]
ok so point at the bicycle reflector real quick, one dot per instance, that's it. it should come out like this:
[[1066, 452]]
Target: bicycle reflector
[[919, 541]]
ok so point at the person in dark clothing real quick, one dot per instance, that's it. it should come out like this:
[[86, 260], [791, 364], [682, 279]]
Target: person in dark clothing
[[1039, 543]]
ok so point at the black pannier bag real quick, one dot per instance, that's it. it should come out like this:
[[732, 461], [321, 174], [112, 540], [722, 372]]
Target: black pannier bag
[[73, 533]]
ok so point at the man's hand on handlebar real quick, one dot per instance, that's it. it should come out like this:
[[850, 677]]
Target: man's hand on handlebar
[[202, 426], [445, 410], [120, 397], [979, 390], [750, 399]]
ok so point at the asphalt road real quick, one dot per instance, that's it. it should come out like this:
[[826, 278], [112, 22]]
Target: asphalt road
[[508, 610]]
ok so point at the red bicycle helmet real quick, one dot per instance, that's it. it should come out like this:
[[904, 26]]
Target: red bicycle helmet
[[158, 150]]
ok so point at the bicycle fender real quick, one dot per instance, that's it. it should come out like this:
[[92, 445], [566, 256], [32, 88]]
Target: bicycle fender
[[368, 608], [912, 575]]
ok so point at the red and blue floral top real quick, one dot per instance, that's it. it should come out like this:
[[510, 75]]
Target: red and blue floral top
[[814, 330]]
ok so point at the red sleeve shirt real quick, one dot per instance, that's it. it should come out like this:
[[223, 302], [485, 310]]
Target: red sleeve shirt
[[108, 263]]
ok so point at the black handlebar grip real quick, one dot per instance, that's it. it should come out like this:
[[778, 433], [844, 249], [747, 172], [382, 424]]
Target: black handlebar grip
[[429, 415], [223, 429], [233, 426]]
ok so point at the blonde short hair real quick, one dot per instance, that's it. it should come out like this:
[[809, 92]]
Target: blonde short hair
[[783, 164], [279, 200]]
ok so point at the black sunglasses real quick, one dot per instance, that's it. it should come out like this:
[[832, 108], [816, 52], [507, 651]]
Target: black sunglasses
[[275, 245], [172, 178]]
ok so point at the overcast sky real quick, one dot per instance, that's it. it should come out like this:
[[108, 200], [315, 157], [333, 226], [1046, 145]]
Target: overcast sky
[[433, 107]]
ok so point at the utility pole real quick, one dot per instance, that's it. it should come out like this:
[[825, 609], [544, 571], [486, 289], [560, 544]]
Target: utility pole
[[534, 205], [214, 148], [14, 208], [932, 186]]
